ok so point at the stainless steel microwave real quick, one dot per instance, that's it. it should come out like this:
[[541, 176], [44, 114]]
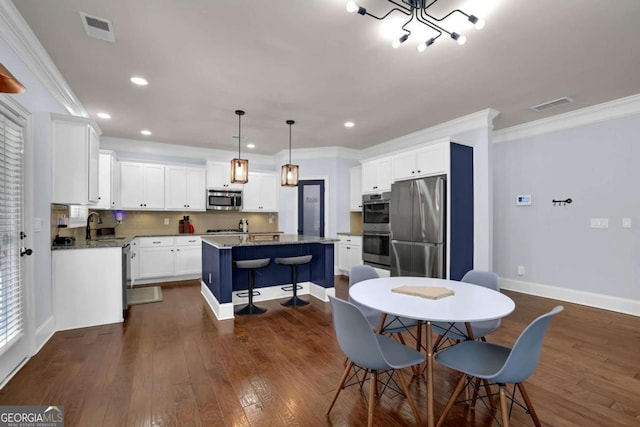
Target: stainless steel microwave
[[224, 200]]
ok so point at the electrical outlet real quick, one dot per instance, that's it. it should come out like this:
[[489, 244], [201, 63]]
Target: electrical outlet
[[166, 221], [599, 222], [521, 270], [626, 222]]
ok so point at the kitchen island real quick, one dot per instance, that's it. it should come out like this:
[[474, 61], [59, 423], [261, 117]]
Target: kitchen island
[[221, 281]]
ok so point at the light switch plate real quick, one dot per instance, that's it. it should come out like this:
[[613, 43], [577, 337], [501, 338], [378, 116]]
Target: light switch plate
[[626, 222], [599, 222]]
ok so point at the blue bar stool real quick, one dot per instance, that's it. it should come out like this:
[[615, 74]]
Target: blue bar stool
[[294, 261], [251, 265]]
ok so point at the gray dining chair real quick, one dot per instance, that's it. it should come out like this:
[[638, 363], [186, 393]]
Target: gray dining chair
[[371, 352], [499, 364], [393, 325], [457, 331]]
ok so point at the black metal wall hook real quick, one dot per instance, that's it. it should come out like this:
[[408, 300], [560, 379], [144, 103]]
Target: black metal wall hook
[[562, 202]]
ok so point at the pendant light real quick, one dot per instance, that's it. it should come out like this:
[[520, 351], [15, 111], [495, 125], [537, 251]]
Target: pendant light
[[8, 83], [239, 166], [289, 172]]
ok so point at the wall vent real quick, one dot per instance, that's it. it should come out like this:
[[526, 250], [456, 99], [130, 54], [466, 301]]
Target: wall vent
[[98, 28], [552, 104]]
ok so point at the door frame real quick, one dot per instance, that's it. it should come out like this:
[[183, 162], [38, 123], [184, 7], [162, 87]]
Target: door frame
[[293, 209]]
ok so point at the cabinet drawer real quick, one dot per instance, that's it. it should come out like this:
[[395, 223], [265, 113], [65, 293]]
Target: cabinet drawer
[[188, 241], [150, 242], [350, 239]]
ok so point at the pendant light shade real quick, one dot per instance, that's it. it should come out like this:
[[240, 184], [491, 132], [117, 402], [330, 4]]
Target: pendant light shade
[[289, 172], [8, 83], [239, 166]]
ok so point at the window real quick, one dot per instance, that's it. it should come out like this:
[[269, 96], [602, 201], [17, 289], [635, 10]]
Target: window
[[11, 304]]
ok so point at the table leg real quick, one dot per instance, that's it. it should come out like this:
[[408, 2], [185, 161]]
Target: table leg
[[429, 376]]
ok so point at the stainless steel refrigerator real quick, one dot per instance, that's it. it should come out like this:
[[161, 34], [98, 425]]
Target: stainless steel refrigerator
[[417, 216]]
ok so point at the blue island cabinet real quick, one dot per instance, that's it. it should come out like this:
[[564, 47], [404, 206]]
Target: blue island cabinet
[[221, 280]]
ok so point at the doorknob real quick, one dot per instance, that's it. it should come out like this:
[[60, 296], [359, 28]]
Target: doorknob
[[25, 251]]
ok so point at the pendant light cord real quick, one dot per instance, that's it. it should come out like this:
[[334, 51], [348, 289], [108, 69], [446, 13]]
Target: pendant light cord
[[290, 122]]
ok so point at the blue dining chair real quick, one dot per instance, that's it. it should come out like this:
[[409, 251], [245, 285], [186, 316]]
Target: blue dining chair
[[457, 331], [499, 364], [371, 352], [393, 325]]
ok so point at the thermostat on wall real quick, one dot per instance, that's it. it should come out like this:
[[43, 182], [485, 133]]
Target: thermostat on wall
[[523, 200]]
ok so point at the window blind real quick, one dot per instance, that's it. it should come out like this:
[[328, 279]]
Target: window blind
[[11, 302]]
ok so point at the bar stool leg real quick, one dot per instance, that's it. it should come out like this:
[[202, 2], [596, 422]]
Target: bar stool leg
[[250, 308], [294, 300]]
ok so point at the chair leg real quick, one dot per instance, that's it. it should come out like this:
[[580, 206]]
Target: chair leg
[[525, 396], [342, 381], [452, 399], [503, 406], [372, 397], [405, 388]]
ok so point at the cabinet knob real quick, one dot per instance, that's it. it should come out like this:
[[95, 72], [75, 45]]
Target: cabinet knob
[[418, 170]]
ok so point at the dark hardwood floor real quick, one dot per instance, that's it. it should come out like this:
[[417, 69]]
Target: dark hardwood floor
[[173, 364]]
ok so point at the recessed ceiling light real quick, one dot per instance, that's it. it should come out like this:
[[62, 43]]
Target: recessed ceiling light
[[140, 81], [145, 132], [349, 124], [251, 146], [104, 115]]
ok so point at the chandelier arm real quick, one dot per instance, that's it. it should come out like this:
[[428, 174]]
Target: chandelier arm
[[444, 17], [402, 6], [430, 24], [388, 13]]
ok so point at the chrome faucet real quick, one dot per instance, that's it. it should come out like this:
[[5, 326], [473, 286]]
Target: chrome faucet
[[88, 235]]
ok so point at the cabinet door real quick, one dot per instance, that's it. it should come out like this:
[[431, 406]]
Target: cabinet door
[[131, 185], [268, 193], [156, 262], [219, 175], [196, 190], [404, 166], [104, 182], [432, 160], [355, 189], [153, 186], [369, 177], [93, 143], [189, 257], [344, 257], [176, 187], [251, 194], [384, 175], [355, 255]]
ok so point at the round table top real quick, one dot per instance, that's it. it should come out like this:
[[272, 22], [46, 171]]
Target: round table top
[[470, 303]]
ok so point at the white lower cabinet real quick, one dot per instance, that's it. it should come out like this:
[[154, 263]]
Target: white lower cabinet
[[166, 257], [87, 287], [349, 252]]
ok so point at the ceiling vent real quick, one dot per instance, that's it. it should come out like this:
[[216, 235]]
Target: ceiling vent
[[98, 28], [552, 104]]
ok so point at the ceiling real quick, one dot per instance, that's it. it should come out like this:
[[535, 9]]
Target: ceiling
[[311, 61]]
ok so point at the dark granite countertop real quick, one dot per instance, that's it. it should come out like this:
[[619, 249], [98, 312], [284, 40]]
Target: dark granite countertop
[[227, 242], [349, 234], [100, 242]]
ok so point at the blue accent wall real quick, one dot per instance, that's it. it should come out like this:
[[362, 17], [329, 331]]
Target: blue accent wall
[[461, 215]]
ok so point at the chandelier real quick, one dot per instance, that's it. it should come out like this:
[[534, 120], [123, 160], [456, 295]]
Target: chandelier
[[289, 172], [239, 166], [417, 11]]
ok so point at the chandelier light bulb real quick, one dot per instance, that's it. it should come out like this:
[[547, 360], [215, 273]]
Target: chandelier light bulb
[[352, 7], [422, 46], [477, 22], [462, 40]]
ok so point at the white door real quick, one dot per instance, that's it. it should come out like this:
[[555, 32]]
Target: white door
[[13, 342]]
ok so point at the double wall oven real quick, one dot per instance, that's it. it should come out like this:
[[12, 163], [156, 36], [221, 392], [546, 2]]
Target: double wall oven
[[376, 231]]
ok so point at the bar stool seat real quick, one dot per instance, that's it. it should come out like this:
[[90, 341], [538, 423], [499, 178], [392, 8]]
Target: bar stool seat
[[294, 262], [251, 265]]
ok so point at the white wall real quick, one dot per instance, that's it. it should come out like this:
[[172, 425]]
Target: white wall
[[596, 165]]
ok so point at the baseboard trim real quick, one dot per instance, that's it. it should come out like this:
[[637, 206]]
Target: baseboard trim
[[591, 299], [221, 311], [43, 334]]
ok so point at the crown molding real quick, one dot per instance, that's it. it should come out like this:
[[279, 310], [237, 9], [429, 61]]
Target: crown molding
[[15, 31], [585, 116], [334, 152], [479, 120]]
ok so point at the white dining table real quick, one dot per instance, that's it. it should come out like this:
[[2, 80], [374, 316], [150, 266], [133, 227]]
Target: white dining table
[[469, 303]]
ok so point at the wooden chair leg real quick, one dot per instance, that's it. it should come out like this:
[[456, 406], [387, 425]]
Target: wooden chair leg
[[474, 398], [452, 399], [405, 388], [342, 381], [532, 412], [372, 398], [487, 389], [503, 406]]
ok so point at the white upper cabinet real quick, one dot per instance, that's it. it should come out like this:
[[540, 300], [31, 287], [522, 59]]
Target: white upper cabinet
[[376, 176], [142, 185], [355, 189], [427, 161], [76, 150], [185, 188], [219, 176], [107, 182], [260, 193]]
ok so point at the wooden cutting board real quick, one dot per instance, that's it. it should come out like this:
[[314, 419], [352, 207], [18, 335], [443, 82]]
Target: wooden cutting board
[[429, 292]]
